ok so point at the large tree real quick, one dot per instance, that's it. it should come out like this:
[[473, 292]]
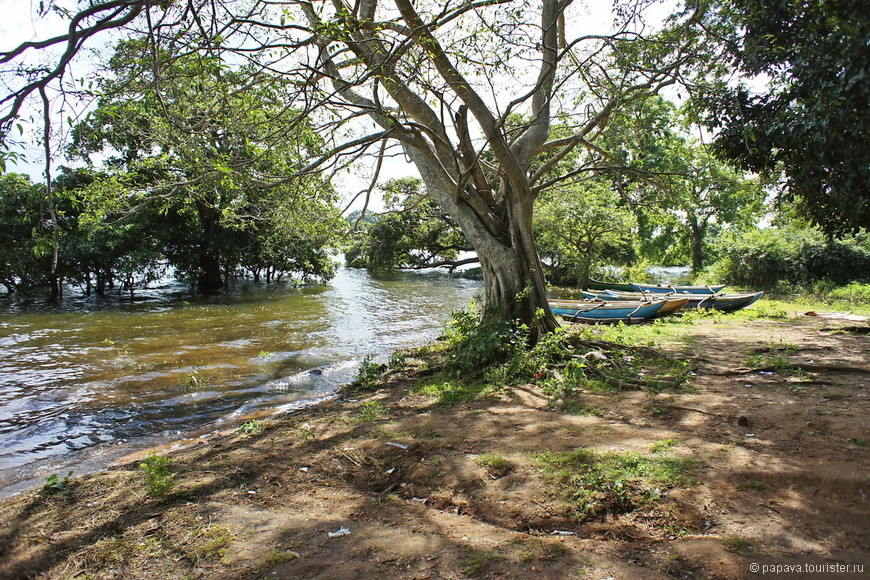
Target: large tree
[[441, 80], [195, 142], [680, 192], [793, 98]]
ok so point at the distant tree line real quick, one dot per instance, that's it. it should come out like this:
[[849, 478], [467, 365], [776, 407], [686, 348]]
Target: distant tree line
[[139, 242]]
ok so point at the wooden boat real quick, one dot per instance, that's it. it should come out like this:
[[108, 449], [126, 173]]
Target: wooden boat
[[665, 288], [730, 302], [618, 286], [674, 303], [600, 311], [723, 302]]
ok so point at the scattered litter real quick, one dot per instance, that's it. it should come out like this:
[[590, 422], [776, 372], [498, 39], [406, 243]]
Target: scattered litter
[[420, 499], [347, 448], [342, 531], [563, 533], [303, 469], [390, 470], [749, 434], [399, 445], [252, 491]]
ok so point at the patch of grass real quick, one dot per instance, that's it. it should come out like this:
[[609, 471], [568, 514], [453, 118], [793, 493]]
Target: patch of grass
[[597, 483], [274, 557], [249, 427], [541, 550], [834, 301], [599, 386], [371, 411], [108, 552], [752, 484], [663, 445], [578, 408], [454, 391], [214, 542], [495, 464], [654, 409], [737, 545], [158, 480], [476, 561]]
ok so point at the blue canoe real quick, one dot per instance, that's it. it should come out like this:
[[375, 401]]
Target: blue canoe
[[674, 302], [599, 311], [665, 288]]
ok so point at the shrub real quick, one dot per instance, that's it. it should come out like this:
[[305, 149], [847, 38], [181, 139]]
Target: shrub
[[786, 259], [369, 372], [476, 343], [158, 480]]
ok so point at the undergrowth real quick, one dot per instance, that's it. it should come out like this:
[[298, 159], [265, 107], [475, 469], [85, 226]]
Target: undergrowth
[[483, 356]]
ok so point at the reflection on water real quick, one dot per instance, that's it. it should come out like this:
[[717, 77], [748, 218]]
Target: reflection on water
[[91, 372]]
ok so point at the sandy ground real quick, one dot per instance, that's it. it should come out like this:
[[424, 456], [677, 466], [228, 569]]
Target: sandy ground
[[773, 424]]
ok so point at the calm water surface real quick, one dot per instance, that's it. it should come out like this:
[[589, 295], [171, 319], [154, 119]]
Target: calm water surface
[[88, 380]]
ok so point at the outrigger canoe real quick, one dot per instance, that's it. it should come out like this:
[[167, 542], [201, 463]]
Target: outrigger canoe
[[617, 286], [658, 288], [599, 311], [665, 288], [674, 303], [722, 302]]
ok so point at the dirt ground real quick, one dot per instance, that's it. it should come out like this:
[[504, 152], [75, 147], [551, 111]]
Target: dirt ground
[[773, 422]]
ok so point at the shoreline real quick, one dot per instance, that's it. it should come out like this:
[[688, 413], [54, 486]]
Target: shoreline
[[416, 485]]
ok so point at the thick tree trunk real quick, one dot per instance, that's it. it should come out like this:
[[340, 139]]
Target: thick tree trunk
[[209, 279], [513, 277], [697, 247]]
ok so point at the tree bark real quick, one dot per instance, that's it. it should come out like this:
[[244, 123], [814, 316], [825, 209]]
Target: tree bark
[[697, 230]]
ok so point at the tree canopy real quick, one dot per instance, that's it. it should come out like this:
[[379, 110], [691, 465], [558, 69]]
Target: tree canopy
[[800, 102]]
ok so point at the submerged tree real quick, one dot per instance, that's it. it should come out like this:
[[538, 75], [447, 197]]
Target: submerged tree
[[195, 143], [441, 80]]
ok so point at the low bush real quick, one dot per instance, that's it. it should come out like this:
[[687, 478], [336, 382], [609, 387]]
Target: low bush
[[787, 260]]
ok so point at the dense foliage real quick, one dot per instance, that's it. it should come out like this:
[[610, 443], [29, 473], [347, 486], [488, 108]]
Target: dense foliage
[[809, 121], [200, 171], [131, 241], [793, 258], [412, 232], [574, 235]]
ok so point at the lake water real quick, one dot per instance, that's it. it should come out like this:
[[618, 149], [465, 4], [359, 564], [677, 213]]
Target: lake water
[[88, 380]]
